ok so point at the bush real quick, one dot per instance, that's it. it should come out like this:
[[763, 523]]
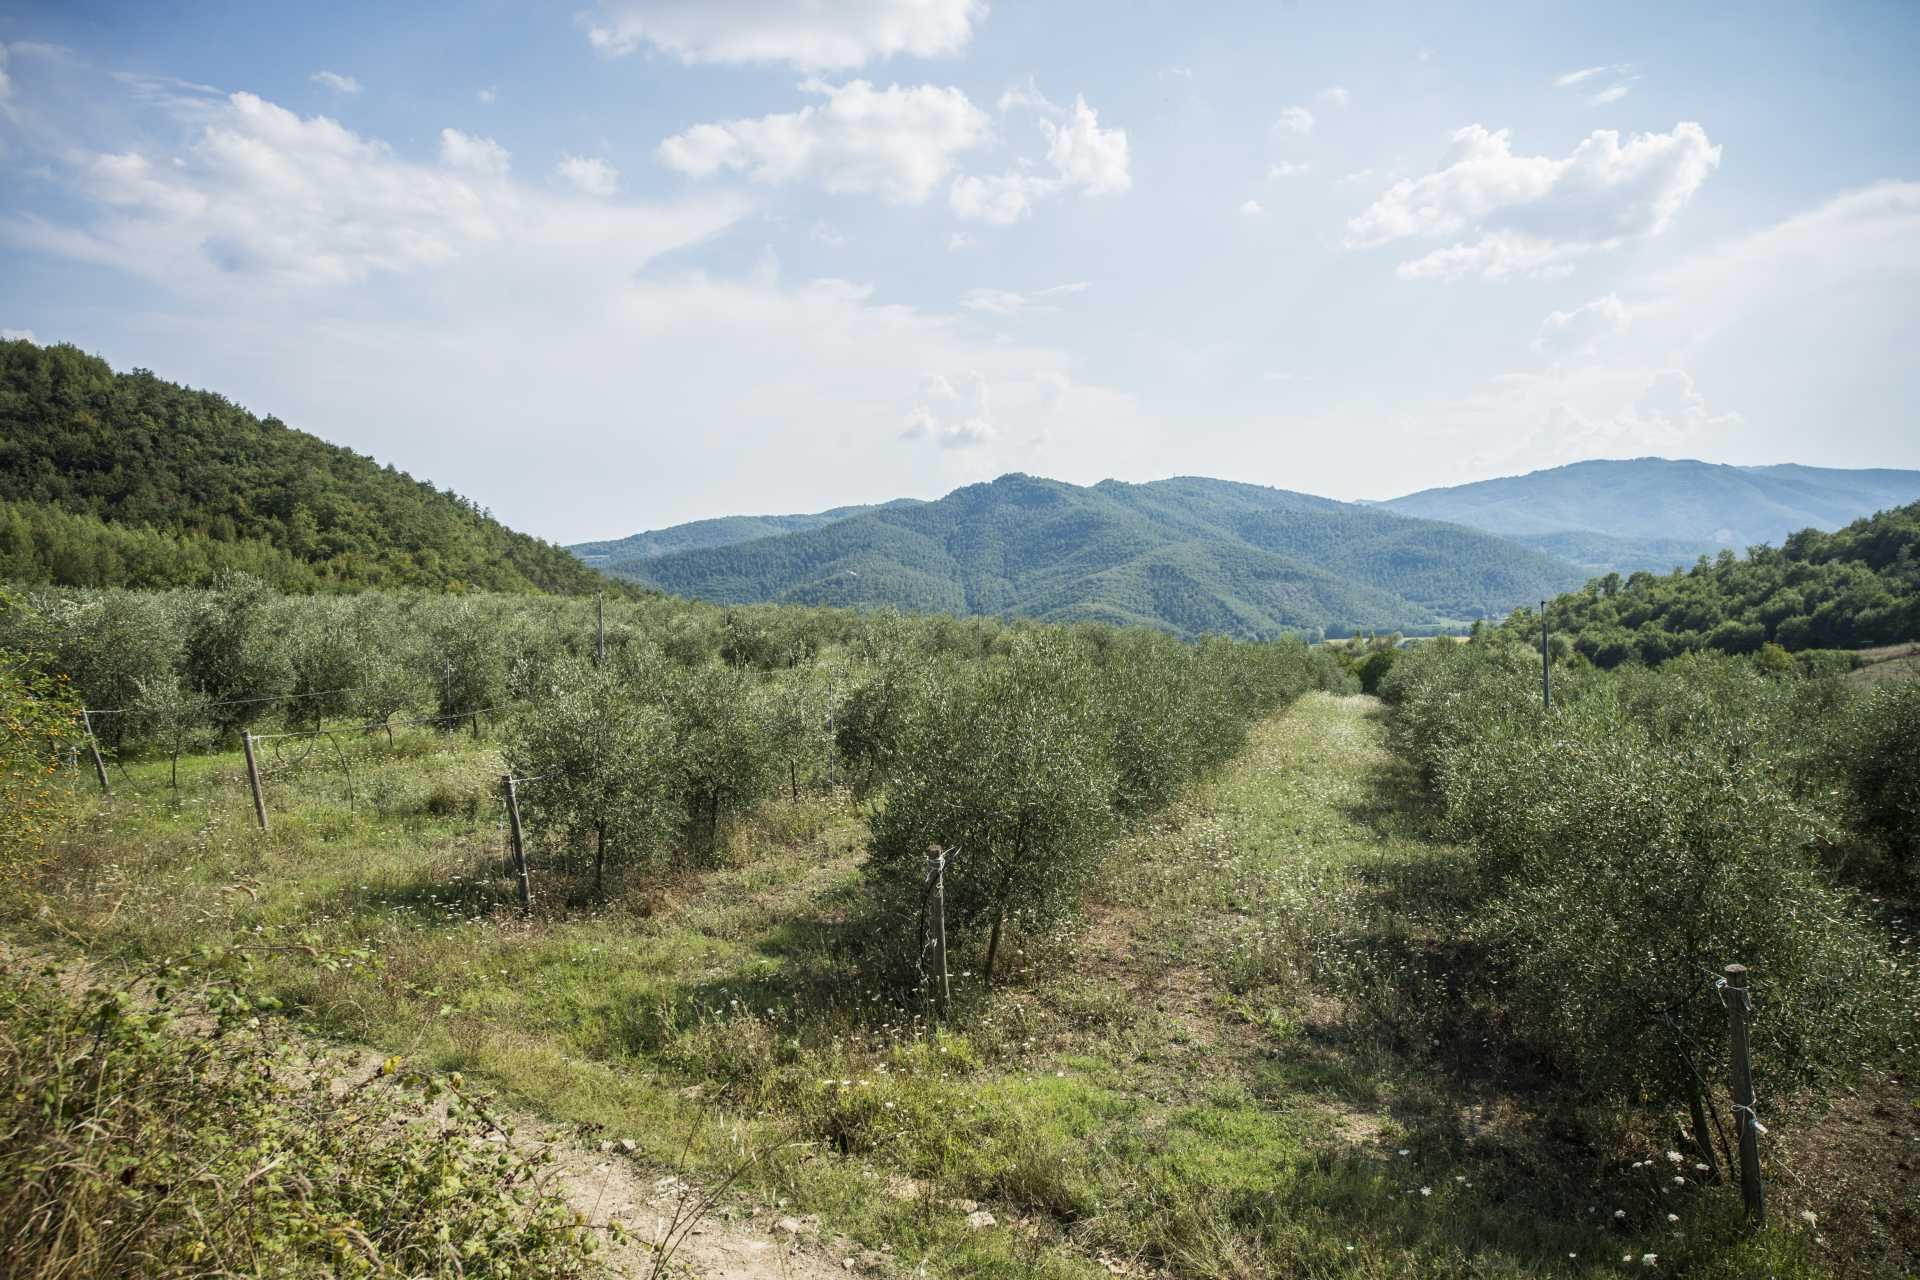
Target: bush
[[140, 1146], [1881, 763]]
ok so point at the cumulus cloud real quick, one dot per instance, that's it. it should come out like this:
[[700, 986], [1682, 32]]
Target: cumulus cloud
[[1583, 329], [335, 81], [1294, 120], [1083, 156], [899, 143], [950, 417], [1336, 97], [1008, 303], [264, 193], [813, 37], [593, 176], [1537, 214], [18, 335]]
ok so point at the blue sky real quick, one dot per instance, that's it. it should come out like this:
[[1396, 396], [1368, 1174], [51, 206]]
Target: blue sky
[[610, 267]]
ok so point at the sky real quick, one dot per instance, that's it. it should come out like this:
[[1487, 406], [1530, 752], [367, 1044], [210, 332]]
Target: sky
[[610, 266]]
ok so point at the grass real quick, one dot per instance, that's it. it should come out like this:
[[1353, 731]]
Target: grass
[[1265, 1053]]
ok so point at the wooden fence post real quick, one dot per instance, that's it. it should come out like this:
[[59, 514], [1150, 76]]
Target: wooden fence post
[[93, 745], [253, 779], [519, 843], [937, 919], [1738, 999]]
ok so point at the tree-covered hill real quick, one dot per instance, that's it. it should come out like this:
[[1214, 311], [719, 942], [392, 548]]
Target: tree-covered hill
[[1856, 587], [1189, 555], [1656, 513], [123, 479], [722, 531]]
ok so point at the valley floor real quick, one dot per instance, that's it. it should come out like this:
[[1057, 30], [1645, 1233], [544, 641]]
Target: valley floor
[[1268, 1053]]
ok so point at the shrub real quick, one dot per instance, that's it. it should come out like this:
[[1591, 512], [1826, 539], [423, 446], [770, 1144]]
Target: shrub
[[234, 659], [1005, 766], [140, 1146], [1881, 763]]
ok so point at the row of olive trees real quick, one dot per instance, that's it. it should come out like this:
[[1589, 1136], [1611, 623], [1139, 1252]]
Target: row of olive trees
[[1651, 829]]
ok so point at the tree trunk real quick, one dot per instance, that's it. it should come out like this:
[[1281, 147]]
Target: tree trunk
[[993, 943], [1702, 1136], [600, 860], [793, 778]]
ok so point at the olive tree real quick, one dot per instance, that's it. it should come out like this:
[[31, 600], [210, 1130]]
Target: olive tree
[[234, 658], [720, 749], [600, 761], [1004, 764]]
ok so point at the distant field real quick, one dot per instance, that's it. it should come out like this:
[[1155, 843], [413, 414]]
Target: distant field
[[1889, 662]]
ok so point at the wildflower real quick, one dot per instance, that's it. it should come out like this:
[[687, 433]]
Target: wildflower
[[1673, 1217], [1673, 1156], [1809, 1217], [1679, 1181], [1649, 1259], [1619, 1215], [1404, 1152], [1426, 1191], [1700, 1167]]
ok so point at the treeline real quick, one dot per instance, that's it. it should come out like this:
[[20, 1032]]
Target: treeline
[[1856, 587], [1657, 825], [122, 479]]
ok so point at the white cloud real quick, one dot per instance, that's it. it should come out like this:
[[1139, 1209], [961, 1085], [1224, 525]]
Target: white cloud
[[827, 235], [1176, 73], [899, 143], [6, 81], [1287, 169], [593, 176], [812, 36], [1026, 96], [1534, 213], [1611, 94], [951, 418], [959, 240], [1583, 329], [1280, 375], [1084, 157], [1252, 208], [1424, 56], [481, 157], [18, 335], [1294, 120], [1572, 78], [263, 193], [1336, 97], [1353, 179], [1007, 303], [487, 96], [1090, 159], [335, 81]]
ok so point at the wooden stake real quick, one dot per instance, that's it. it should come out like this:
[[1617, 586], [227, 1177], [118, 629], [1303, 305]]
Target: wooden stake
[[1739, 1001], [253, 780], [937, 918], [99, 765], [519, 844]]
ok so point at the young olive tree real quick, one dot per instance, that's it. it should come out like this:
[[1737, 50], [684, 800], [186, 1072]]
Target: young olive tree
[[720, 755], [471, 674], [234, 659], [1006, 766], [602, 768]]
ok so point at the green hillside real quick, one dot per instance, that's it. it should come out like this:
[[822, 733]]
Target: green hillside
[[1189, 555], [723, 531], [122, 479], [1655, 513], [1853, 588]]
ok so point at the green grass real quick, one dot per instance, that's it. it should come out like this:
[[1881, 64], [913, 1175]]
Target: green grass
[[1216, 1076]]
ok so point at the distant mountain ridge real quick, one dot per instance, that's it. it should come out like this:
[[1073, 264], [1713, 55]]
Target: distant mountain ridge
[[721, 531], [1656, 513], [1188, 554]]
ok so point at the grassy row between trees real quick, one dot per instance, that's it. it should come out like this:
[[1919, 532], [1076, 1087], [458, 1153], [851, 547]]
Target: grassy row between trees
[[1658, 825]]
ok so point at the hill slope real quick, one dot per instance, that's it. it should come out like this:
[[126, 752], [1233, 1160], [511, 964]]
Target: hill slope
[[1189, 555], [121, 479], [1857, 587], [1653, 513], [722, 531]]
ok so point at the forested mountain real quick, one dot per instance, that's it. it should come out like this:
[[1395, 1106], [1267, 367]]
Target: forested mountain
[[1656, 513], [1856, 587], [1189, 555], [723, 531], [122, 479]]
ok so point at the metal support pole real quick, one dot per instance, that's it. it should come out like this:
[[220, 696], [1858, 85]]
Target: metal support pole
[[519, 843], [1739, 1001], [937, 919]]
